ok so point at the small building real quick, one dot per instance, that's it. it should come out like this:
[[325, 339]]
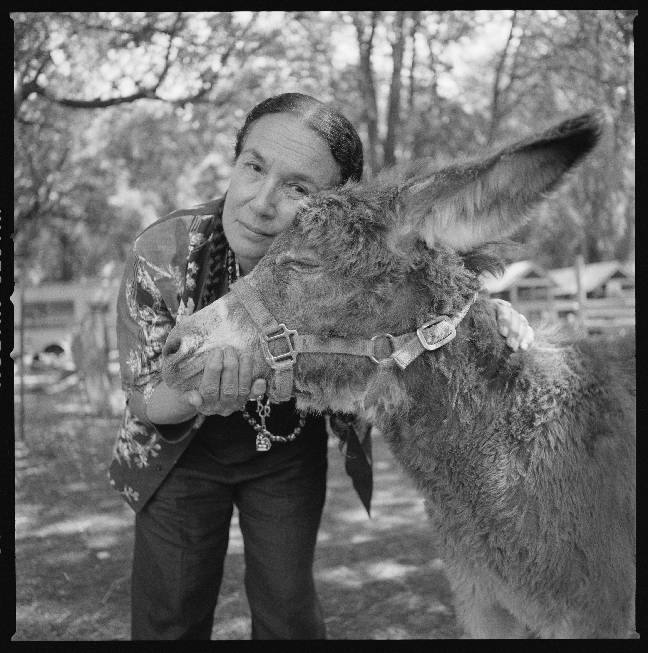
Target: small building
[[53, 311], [604, 279], [520, 281], [526, 285]]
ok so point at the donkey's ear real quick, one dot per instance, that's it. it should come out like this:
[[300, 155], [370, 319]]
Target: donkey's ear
[[466, 204]]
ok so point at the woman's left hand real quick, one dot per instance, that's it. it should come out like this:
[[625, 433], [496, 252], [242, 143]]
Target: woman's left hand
[[513, 326]]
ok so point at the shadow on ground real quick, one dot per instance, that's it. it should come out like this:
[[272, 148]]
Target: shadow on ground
[[378, 577]]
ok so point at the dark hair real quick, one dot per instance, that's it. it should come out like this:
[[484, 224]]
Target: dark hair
[[331, 125]]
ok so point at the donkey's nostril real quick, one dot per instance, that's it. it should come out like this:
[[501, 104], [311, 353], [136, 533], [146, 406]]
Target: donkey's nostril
[[172, 346]]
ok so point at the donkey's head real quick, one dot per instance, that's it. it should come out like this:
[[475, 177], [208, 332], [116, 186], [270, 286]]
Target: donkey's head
[[382, 257]]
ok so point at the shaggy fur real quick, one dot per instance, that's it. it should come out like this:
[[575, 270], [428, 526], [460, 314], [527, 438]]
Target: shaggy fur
[[525, 459]]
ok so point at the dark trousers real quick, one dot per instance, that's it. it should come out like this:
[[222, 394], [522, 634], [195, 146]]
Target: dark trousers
[[181, 539]]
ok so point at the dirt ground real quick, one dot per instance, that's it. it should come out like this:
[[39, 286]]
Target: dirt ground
[[378, 577]]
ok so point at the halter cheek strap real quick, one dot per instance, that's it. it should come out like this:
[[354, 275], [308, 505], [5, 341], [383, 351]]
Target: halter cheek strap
[[429, 336], [281, 345], [271, 332]]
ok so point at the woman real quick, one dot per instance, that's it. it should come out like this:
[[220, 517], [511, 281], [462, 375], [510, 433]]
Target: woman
[[183, 460]]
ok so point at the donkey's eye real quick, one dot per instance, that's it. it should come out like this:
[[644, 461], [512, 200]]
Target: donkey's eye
[[299, 264]]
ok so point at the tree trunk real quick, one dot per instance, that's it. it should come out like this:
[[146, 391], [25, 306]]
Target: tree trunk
[[365, 34], [412, 37], [393, 111]]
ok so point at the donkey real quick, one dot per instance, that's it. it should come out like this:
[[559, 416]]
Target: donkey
[[368, 303]]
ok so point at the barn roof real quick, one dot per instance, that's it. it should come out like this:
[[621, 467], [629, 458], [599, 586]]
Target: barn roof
[[513, 273], [594, 274]]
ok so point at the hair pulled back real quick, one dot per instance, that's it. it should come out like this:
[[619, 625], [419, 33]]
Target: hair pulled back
[[339, 134]]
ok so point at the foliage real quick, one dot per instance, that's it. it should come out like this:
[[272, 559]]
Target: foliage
[[122, 116]]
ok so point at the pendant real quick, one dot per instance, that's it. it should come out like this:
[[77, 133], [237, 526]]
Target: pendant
[[263, 442]]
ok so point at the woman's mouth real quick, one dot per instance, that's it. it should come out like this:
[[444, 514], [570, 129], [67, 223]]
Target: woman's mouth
[[255, 231]]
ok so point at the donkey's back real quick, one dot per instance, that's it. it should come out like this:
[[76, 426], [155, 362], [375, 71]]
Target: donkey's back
[[534, 501]]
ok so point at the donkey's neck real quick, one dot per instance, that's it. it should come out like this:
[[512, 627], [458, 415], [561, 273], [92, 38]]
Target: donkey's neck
[[447, 385]]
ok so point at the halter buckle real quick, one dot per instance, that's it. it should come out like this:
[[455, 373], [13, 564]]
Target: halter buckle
[[439, 336], [284, 359], [387, 359]]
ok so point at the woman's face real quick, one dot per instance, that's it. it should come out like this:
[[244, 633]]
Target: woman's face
[[282, 162]]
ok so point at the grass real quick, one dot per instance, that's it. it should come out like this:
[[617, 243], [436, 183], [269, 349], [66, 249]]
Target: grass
[[377, 578]]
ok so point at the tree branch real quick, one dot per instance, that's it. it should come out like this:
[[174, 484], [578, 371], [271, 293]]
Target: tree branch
[[209, 81], [96, 103], [134, 33], [495, 102], [167, 56]]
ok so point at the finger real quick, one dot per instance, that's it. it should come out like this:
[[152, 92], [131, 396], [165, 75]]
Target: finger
[[515, 327], [258, 388], [210, 384], [528, 337], [503, 318], [513, 342], [219, 409], [244, 375], [229, 375], [194, 398]]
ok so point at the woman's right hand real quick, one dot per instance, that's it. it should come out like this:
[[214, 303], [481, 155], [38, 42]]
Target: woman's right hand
[[227, 384]]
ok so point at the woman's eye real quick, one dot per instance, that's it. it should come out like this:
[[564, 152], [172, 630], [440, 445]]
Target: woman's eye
[[251, 165], [297, 190]]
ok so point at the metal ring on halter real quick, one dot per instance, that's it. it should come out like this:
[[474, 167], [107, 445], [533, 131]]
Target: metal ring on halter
[[284, 359], [387, 360]]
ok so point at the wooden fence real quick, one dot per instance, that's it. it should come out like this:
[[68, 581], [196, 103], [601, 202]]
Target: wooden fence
[[609, 315]]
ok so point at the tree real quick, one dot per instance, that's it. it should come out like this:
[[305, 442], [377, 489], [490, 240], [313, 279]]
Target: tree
[[394, 101], [496, 109], [365, 26], [140, 99], [122, 116]]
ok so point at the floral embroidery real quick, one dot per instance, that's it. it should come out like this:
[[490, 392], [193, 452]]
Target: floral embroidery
[[166, 273], [148, 391], [196, 239], [135, 442], [145, 280], [176, 274], [144, 323], [130, 494], [133, 362], [187, 309]]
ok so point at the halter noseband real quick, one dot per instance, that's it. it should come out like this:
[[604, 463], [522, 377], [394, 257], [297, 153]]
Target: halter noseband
[[429, 336]]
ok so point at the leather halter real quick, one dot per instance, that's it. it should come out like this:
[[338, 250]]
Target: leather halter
[[429, 336]]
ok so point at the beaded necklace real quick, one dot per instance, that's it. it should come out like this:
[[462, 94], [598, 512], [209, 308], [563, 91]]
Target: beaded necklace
[[264, 438]]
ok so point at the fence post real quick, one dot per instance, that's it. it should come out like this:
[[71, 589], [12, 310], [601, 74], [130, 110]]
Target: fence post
[[580, 291], [22, 361]]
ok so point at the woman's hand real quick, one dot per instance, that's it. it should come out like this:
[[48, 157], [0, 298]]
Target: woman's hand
[[226, 385], [513, 326]]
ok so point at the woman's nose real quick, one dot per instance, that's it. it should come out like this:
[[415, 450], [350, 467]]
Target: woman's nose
[[172, 345], [263, 201]]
